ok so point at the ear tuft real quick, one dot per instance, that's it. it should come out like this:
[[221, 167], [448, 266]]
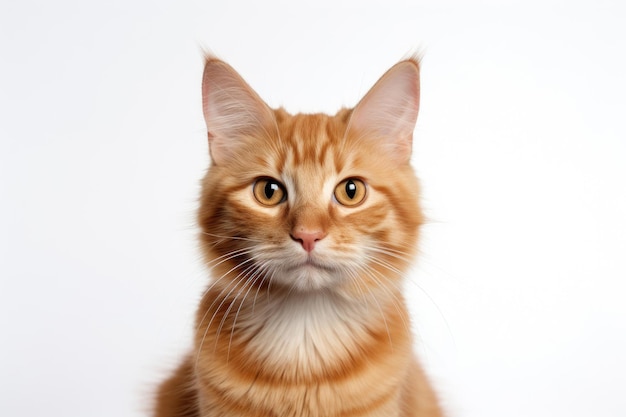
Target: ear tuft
[[233, 111], [388, 111]]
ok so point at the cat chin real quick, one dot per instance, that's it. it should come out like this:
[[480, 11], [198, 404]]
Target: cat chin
[[308, 277]]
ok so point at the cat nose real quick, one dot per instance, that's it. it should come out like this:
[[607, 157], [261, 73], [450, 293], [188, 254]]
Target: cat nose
[[308, 238]]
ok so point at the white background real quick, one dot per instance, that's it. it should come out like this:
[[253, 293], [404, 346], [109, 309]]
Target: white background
[[520, 146]]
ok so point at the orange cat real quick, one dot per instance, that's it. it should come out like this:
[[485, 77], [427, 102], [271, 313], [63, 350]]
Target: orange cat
[[308, 223]]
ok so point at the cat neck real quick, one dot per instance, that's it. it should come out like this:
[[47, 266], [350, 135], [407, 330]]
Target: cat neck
[[301, 329], [318, 329]]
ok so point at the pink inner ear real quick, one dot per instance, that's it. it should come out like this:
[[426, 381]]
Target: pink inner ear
[[232, 110], [388, 111]]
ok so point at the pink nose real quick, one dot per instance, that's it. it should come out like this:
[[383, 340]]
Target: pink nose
[[307, 239]]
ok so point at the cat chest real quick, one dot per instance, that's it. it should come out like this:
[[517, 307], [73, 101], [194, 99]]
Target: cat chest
[[306, 334], [308, 358]]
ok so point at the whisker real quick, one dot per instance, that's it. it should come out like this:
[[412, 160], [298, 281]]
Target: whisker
[[228, 256], [389, 266], [235, 282], [353, 276], [377, 277], [215, 283], [380, 309], [404, 256], [439, 311], [247, 239], [384, 264], [224, 258], [260, 272], [246, 280]]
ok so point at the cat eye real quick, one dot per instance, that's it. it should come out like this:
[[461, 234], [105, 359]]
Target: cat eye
[[350, 192], [269, 192]]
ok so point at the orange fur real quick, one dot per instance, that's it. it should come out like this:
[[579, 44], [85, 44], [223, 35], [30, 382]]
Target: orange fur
[[305, 317]]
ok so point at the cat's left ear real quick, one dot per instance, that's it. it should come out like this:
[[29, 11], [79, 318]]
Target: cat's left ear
[[388, 112]]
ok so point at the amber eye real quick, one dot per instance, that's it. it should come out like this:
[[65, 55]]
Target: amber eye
[[269, 192], [350, 192]]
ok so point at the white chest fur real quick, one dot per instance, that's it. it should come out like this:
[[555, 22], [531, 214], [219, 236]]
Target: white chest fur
[[307, 331]]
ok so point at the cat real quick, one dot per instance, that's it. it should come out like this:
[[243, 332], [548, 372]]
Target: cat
[[308, 223]]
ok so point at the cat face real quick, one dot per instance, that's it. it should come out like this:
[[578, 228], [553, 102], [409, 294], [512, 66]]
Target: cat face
[[310, 202]]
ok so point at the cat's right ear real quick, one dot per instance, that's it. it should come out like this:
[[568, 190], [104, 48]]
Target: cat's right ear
[[233, 111]]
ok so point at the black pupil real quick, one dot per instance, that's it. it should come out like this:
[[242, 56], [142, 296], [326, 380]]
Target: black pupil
[[270, 189], [350, 189]]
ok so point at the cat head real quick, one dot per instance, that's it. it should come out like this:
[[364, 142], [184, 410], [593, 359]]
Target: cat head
[[310, 202]]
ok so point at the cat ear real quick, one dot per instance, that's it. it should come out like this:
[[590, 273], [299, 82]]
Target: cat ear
[[233, 111], [388, 112]]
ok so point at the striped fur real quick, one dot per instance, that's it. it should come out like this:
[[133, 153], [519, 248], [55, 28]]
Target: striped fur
[[305, 315]]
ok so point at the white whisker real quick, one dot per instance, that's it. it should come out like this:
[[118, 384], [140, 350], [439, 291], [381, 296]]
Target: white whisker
[[260, 272], [234, 282]]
